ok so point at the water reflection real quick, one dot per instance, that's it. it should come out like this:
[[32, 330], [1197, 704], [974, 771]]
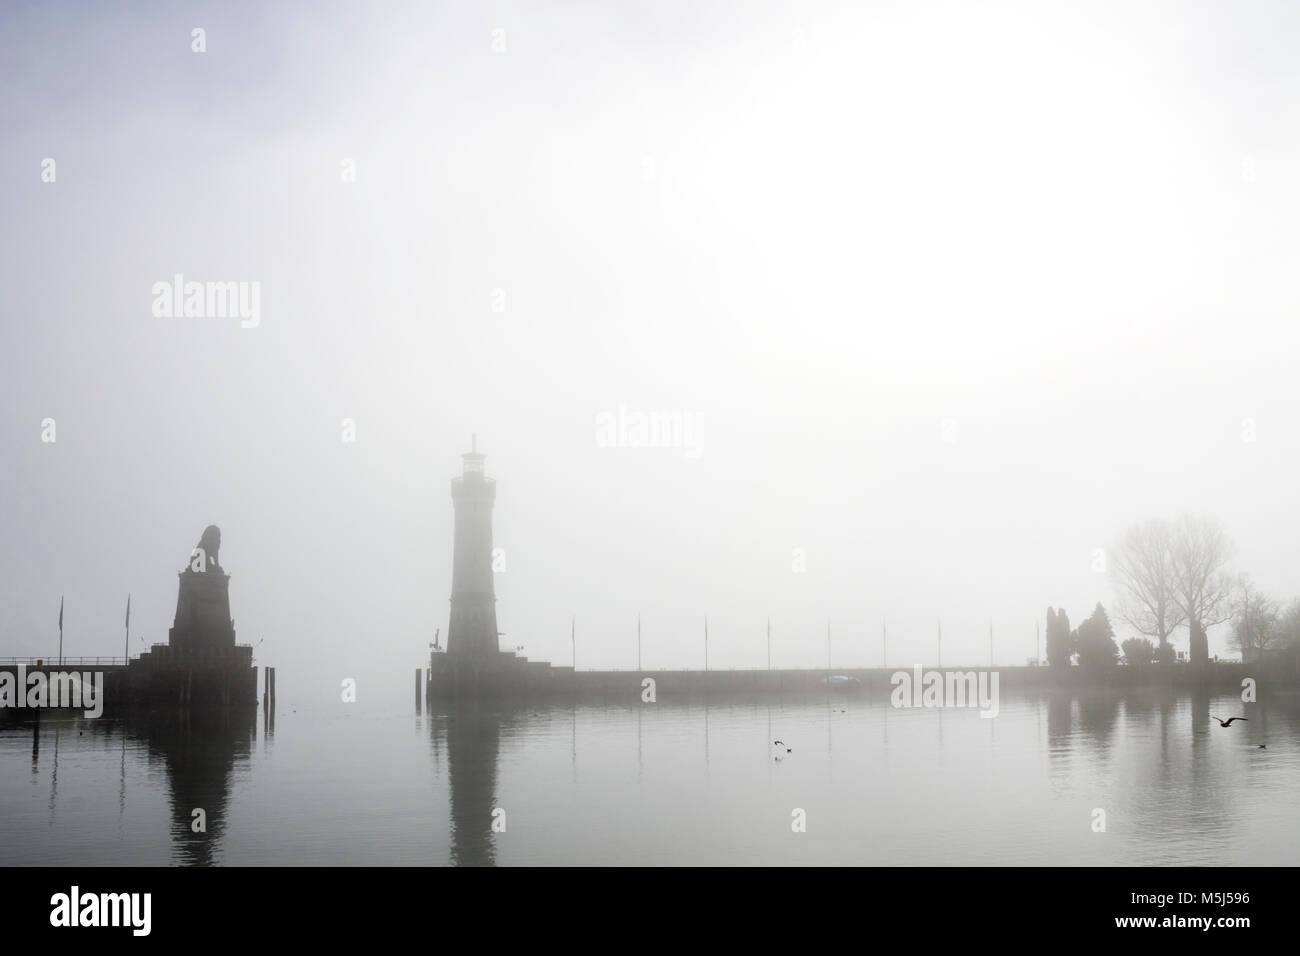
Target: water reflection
[[199, 755], [200, 752], [1168, 776], [693, 783], [1097, 717], [471, 736]]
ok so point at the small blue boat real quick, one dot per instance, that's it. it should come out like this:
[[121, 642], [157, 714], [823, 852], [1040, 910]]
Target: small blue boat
[[842, 682]]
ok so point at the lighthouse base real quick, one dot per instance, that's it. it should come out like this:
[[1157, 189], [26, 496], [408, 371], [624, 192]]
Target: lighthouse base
[[504, 675]]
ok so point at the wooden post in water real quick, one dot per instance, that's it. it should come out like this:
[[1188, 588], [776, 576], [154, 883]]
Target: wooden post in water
[[417, 691]]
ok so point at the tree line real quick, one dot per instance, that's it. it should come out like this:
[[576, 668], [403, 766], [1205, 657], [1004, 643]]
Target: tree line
[[1171, 574]]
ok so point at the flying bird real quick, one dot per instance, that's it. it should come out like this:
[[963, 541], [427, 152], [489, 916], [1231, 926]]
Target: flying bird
[[1225, 723]]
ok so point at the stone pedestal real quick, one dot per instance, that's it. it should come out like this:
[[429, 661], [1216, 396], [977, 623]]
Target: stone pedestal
[[202, 626]]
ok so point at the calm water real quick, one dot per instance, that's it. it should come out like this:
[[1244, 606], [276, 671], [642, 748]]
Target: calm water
[[668, 784]]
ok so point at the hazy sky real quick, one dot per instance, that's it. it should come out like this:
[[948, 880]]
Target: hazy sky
[[952, 292]]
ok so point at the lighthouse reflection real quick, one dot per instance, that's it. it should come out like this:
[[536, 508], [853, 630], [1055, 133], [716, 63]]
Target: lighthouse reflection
[[470, 734]]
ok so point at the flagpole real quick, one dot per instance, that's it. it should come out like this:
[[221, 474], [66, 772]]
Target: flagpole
[[127, 652], [60, 630]]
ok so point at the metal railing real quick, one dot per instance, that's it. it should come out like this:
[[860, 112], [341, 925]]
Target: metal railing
[[66, 662], [54, 661]]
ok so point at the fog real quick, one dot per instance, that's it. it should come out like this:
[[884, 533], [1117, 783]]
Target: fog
[[949, 294]]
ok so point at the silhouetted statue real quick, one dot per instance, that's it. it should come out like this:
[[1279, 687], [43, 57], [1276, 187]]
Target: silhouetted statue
[[201, 665], [210, 544], [202, 621]]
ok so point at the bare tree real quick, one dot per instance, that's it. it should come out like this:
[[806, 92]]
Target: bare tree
[[1289, 625], [1200, 550], [1146, 580], [1256, 621]]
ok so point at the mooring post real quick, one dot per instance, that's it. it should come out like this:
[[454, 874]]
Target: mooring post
[[417, 690], [271, 670]]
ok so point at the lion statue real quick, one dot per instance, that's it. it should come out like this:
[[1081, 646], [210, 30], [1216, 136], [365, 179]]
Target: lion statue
[[209, 545]]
